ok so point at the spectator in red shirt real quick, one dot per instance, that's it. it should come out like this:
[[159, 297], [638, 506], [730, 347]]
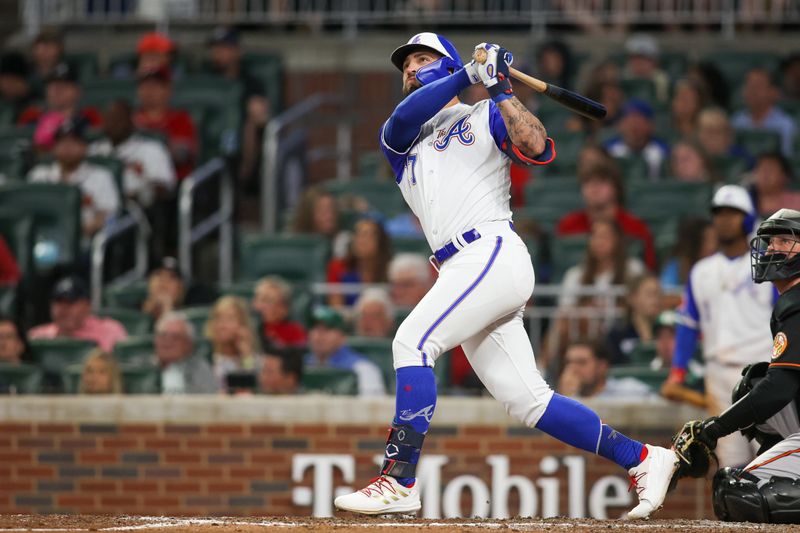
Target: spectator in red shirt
[[272, 301], [603, 195], [9, 270], [72, 316], [155, 51], [62, 96], [154, 113]]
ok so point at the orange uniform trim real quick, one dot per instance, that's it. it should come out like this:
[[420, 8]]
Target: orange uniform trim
[[785, 364], [768, 461]]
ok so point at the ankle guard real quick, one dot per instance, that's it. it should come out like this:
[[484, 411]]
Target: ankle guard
[[402, 451]]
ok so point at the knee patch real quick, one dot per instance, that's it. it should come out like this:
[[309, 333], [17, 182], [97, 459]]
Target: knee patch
[[736, 497]]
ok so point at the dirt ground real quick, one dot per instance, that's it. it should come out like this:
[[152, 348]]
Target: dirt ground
[[80, 523]]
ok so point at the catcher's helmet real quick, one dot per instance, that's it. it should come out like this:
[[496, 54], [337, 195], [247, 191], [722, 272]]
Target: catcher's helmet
[[769, 265], [446, 65]]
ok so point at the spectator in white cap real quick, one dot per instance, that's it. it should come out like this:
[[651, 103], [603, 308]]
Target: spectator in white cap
[[642, 62], [374, 314]]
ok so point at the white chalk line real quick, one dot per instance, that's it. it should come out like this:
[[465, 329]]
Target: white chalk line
[[159, 523]]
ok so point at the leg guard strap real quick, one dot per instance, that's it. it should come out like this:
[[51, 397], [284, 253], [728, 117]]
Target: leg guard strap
[[402, 451]]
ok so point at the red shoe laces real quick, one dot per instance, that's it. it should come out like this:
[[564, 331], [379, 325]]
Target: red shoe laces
[[635, 483], [378, 484]]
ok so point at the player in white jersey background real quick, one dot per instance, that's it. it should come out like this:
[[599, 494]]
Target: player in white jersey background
[[451, 163], [727, 313]]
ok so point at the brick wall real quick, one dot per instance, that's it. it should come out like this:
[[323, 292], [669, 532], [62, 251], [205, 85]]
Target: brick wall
[[246, 468]]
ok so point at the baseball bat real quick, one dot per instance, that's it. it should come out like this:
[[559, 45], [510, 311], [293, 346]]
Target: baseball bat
[[571, 100]]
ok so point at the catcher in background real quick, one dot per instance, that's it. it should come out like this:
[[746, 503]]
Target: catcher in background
[[766, 398]]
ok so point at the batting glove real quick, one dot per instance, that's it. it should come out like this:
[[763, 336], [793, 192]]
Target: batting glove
[[472, 70], [494, 71]]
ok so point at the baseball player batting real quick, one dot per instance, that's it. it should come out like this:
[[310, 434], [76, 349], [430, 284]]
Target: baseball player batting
[[451, 162], [766, 398]]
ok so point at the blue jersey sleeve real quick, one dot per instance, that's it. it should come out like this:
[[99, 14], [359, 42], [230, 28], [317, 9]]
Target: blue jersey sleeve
[[402, 129], [687, 330], [500, 135]]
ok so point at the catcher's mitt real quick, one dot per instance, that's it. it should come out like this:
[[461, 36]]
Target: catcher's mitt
[[695, 456]]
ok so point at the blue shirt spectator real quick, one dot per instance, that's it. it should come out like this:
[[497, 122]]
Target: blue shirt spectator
[[328, 349], [760, 96], [636, 138]]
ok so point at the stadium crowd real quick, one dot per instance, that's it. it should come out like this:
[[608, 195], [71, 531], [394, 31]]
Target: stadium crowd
[[625, 204]]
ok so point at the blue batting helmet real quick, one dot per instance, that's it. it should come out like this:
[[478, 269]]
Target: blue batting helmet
[[449, 62]]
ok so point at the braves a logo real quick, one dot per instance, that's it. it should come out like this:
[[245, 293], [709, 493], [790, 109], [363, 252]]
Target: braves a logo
[[459, 131], [426, 413]]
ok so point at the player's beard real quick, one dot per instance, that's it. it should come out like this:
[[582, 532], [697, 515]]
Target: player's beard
[[410, 87]]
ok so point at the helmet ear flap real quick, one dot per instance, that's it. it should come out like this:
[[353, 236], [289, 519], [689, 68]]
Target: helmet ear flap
[[436, 70], [749, 223]]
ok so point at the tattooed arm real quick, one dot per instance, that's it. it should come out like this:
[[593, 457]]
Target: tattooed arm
[[524, 129]]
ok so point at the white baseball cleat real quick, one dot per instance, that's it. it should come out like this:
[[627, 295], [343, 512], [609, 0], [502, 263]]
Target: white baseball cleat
[[383, 495], [651, 479]]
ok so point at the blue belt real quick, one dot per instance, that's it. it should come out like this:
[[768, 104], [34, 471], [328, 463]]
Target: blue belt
[[449, 250]]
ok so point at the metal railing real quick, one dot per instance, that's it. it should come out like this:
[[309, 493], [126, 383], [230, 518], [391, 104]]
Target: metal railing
[[352, 14], [545, 311], [133, 220], [191, 232], [275, 131]]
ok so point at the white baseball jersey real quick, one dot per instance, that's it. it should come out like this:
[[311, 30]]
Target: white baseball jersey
[[97, 185], [147, 164], [730, 310], [455, 175]]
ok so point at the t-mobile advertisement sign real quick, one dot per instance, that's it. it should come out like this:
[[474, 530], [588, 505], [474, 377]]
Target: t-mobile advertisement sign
[[490, 498]]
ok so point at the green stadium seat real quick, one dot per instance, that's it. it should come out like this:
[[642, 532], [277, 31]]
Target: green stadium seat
[[100, 92], [568, 146], [674, 64], [562, 193], [544, 217], [135, 350], [643, 89], [17, 230], [198, 316], [55, 209], [141, 379], [135, 322], [734, 64], [671, 197], [408, 245], [54, 355], [442, 371], [383, 196], [643, 353], [756, 142], [373, 166], [729, 168], [85, 63], [653, 378], [8, 301], [296, 258], [125, 63], [330, 381], [21, 379], [128, 296], [633, 168], [567, 251]]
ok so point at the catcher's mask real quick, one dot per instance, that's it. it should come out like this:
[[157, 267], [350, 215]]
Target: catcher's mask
[[775, 250]]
